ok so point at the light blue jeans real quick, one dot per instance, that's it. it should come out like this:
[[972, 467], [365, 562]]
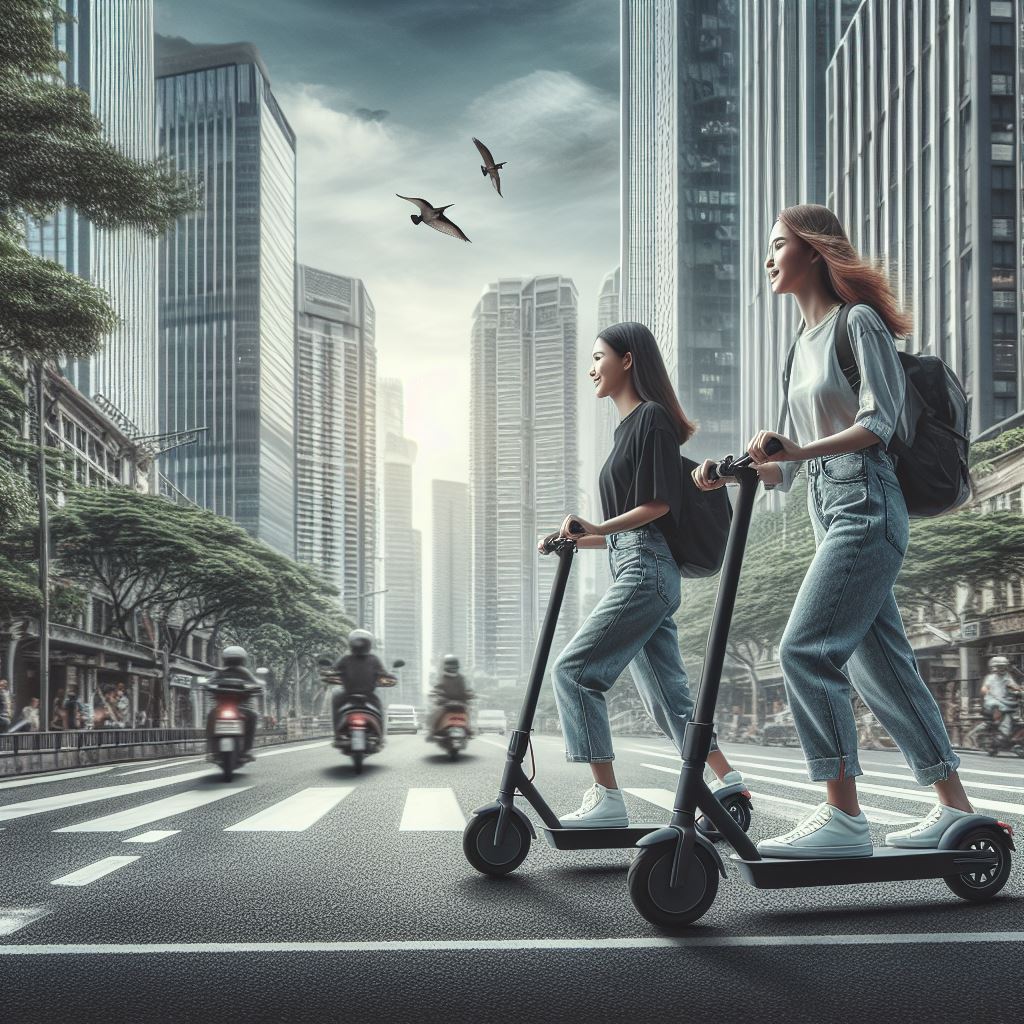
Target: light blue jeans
[[845, 616], [632, 626]]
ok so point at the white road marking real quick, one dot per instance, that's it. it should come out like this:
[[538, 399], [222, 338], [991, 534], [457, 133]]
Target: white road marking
[[492, 743], [664, 798], [122, 821], [962, 770], [88, 796], [879, 815], [528, 945], [13, 919], [38, 780], [432, 810], [289, 749], [86, 875], [296, 813], [153, 837], [919, 796], [163, 764]]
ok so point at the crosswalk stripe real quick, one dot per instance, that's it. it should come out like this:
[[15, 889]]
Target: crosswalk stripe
[[83, 876], [122, 821], [962, 770], [899, 776], [915, 796], [173, 763], [297, 812], [13, 919], [432, 810], [38, 780], [666, 798], [155, 836], [87, 796]]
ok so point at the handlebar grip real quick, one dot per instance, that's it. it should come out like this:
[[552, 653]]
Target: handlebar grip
[[728, 463]]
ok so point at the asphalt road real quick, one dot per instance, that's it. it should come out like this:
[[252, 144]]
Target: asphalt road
[[300, 891]]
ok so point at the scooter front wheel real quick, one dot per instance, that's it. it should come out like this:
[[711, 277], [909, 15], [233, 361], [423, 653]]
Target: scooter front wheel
[[482, 852], [657, 901], [981, 885]]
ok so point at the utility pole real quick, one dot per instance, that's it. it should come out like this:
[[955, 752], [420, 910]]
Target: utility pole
[[44, 558]]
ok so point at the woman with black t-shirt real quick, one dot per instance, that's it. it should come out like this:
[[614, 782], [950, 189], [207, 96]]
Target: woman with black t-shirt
[[641, 498]]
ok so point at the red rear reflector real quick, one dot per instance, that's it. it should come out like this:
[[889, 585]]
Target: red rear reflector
[[357, 720], [1008, 829], [227, 713]]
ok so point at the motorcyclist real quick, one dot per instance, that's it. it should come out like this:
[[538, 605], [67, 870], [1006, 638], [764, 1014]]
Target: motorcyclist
[[451, 688], [233, 676], [998, 688], [360, 673]]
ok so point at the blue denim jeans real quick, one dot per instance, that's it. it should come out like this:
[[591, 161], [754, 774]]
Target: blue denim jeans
[[845, 616], [632, 626]]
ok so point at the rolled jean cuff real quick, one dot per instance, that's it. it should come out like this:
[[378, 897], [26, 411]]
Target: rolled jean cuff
[[826, 769], [937, 772], [584, 759]]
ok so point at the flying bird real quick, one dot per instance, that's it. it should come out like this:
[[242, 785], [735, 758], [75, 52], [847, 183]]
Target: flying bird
[[433, 217], [489, 167]]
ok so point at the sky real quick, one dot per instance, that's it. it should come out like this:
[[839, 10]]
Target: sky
[[384, 97]]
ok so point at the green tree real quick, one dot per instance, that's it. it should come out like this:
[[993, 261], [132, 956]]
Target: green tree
[[53, 154]]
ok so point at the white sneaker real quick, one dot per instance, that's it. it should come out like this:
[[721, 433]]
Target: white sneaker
[[729, 779], [827, 832], [601, 808], [925, 835]]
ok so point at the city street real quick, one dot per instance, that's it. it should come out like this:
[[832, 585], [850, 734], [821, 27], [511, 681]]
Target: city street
[[302, 892]]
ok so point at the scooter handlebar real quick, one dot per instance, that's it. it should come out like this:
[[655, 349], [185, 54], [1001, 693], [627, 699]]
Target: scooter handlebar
[[729, 464], [552, 542]]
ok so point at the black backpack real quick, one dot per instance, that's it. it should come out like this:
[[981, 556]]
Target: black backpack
[[931, 457], [705, 519]]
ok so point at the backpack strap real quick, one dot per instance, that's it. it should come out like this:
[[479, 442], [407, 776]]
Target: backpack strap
[[844, 350]]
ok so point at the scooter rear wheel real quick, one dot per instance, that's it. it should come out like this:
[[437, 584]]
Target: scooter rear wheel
[[980, 886], [488, 859], [649, 889], [228, 764], [357, 763]]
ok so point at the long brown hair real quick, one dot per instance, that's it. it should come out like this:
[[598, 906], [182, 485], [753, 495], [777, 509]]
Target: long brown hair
[[851, 278], [650, 378]]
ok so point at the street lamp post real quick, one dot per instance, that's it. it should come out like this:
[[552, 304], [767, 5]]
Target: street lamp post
[[44, 559], [368, 593]]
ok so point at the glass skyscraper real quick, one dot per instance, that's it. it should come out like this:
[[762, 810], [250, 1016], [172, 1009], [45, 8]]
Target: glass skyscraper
[[227, 289], [109, 47]]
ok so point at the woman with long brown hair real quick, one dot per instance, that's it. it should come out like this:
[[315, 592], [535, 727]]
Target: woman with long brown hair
[[641, 489], [845, 614]]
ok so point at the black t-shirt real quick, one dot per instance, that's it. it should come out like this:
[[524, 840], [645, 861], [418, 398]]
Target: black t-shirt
[[645, 465], [359, 672]]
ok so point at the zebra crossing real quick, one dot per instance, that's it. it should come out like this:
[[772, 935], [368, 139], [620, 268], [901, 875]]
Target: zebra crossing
[[778, 786]]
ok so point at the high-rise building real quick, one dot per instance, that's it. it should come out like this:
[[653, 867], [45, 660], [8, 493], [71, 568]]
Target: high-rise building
[[450, 572], [336, 434], [227, 289], [402, 634], [109, 47], [679, 203], [523, 471], [926, 171], [785, 48]]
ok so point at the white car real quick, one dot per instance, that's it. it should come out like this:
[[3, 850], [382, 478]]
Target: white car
[[491, 721], [401, 718]]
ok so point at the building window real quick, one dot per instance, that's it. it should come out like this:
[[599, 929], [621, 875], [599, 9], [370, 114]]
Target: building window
[[1001, 9], [1002, 152]]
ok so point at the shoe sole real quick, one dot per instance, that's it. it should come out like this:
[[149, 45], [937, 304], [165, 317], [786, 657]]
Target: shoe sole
[[593, 824], [816, 853]]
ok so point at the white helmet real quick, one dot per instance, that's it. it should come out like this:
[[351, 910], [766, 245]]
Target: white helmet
[[360, 641], [999, 662], [234, 655]]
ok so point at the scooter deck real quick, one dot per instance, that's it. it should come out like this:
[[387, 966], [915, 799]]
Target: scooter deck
[[596, 838], [886, 864]]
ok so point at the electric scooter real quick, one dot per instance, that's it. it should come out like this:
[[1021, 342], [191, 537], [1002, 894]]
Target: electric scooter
[[674, 878], [498, 835]]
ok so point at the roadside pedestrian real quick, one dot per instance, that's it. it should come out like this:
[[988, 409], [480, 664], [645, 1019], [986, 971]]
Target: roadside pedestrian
[[6, 706]]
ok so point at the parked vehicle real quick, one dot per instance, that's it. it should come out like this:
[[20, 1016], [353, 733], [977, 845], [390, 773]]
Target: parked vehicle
[[491, 721], [402, 718]]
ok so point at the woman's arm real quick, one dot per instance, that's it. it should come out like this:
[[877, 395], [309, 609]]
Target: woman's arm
[[635, 517]]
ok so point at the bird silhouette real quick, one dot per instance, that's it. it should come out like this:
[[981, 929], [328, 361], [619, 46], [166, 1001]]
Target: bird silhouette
[[489, 167], [433, 217]]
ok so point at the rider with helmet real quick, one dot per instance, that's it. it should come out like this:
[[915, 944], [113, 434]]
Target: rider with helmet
[[234, 676], [997, 688], [451, 688], [360, 673]]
